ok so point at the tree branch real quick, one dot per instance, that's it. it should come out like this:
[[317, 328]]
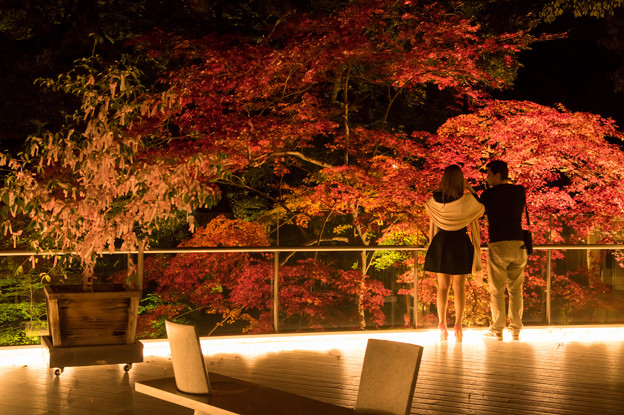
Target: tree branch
[[303, 157], [318, 241], [242, 185], [391, 100], [346, 114]]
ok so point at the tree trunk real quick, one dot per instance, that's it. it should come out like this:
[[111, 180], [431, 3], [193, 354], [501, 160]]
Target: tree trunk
[[361, 314], [346, 115]]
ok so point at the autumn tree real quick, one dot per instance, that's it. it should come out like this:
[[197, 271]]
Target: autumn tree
[[89, 188], [229, 288], [569, 162], [308, 116], [572, 166]]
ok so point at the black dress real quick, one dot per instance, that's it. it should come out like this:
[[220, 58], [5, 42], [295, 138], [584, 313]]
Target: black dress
[[450, 252]]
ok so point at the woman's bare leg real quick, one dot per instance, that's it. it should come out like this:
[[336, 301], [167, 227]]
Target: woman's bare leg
[[459, 290], [444, 284]]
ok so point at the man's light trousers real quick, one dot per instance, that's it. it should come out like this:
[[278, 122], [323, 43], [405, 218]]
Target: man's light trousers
[[506, 262]]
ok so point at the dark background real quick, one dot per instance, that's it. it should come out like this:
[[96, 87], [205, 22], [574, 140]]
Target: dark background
[[578, 71]]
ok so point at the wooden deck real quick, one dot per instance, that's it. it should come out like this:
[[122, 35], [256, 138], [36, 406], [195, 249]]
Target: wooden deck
[[549, 371]]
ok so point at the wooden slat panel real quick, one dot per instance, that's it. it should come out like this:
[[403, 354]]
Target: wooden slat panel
[[79, 318], [133, 311], [92, 321], [53, 321]]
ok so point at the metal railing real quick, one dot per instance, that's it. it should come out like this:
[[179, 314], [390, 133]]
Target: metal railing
[[277, 250]]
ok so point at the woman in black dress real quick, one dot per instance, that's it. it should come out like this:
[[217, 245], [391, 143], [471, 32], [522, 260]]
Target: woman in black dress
[[451, 253]]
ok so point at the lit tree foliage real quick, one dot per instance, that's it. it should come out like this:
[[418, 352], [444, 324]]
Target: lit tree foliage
[[572, 171], [89, 188], [237, 286], [312, 103], [593, 8], [310, 110]]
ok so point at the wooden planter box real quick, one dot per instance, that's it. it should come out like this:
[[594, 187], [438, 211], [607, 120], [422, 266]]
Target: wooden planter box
[[106, 316]]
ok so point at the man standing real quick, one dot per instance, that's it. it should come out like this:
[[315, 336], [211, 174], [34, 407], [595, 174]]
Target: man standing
[[507, 256]]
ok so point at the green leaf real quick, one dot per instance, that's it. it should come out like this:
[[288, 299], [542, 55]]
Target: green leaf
[[45, 277]]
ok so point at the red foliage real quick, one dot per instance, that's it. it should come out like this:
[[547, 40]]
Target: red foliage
[[285, 103], [238, 285], [572, 174]]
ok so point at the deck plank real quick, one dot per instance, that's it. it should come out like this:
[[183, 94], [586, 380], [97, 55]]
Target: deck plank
[[557, 372]]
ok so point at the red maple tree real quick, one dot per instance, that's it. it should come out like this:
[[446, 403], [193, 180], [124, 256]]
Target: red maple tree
[[237, 286], [308, 109], [572, 170]]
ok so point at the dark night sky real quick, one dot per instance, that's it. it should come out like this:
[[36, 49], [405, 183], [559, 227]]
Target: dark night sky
[[574, 71]]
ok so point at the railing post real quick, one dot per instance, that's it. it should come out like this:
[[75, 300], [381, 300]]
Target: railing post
[[548, 284], [140, 266], [415, 306], [275, 283]]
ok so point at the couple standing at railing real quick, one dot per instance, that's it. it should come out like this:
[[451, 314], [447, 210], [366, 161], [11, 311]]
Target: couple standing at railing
[[452, 254]]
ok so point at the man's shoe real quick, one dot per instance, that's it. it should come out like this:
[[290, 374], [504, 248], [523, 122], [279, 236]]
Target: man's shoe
[[491, 334], [515, 334]]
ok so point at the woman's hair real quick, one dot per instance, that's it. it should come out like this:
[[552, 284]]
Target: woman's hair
[[452, 183]]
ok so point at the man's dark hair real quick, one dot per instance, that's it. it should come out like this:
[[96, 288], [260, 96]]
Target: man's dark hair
[[499, 166]]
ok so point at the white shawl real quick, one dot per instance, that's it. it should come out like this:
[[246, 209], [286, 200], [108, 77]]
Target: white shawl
[[455, 215]]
